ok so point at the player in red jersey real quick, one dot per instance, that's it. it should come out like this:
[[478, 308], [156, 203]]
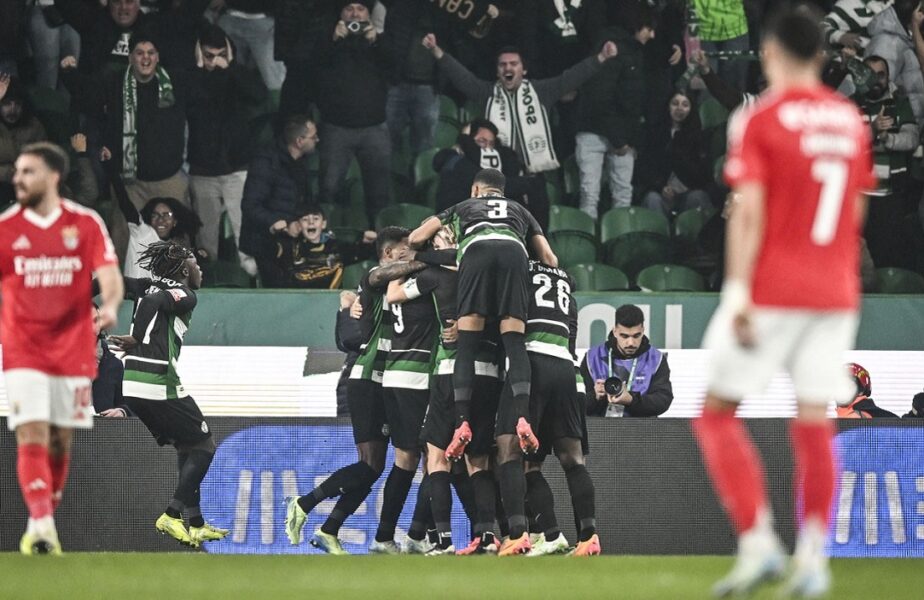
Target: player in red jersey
[[49, 250], [798, 163]]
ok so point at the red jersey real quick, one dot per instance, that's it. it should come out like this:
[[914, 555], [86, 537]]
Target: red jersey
[[810, 150], [46, 270]]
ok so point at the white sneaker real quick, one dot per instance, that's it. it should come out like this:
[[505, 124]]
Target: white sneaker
[[811, 576], [437, 551], [760, 559], [545, 548], [417, 546], [389, 547]]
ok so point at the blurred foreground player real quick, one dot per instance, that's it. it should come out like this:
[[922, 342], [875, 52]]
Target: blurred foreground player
[[151, 387], [798, 162], [49, 250]]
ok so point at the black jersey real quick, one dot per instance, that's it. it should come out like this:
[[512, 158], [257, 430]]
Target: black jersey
[[163, 311], [376, 333], [551, 327], [490, 218]]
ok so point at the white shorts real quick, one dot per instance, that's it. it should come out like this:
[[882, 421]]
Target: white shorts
[[809, 345], [36, 396]]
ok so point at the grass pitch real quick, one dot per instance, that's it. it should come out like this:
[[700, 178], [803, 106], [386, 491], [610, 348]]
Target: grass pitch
[[179, 576]]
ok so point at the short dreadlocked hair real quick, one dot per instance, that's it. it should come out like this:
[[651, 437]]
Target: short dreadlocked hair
[[165, 259]]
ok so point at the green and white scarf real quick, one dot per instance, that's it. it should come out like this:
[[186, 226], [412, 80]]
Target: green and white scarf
[[523, 125], [165, 99]]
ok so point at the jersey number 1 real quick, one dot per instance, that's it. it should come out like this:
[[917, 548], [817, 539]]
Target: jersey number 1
[[832, 175]]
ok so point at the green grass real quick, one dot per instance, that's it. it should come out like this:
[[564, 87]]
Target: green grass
[[180, 576]]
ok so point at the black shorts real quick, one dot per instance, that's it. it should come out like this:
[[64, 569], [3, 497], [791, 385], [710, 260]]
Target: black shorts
[[367, 410], [494, 280], [174, 422], [440, 422], [555, 410], [404, 413]]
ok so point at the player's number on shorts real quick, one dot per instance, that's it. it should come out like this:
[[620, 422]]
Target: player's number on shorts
[[545, 286], [498, 209], [832, 175]]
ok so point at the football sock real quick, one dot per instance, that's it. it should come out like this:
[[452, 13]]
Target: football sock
[[733, 465], [357, 476], [466, 493], [394, 496], [520, 371], [35, 480], [174, 510], [500, 514], [485, 503], [464, 373], [59, 466], [346, 506], [542, 504], [513, 493], [814, 476], [441, 504], [191, 475], [581, 488], [422, 516], [194, 514]]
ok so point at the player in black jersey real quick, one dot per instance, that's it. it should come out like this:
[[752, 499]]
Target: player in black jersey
[[493, 234], [353, 483], [152, 389]]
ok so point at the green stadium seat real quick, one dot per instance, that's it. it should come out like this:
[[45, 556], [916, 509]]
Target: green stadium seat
[[566, 218], [634, 238], [446, 134], [225, 274], [712, 114], [553, 191], [427, 194], [227, 247], [402, 159], [470, 110], [423, 167], [449, 110], [891, 280], [670, 278], [354, 171], [571, 184], [353, 274], [402, 215], [596, 277], [347, 235], [689, 223], [573, 248], [52, 109], [355, 193], [353, 217]]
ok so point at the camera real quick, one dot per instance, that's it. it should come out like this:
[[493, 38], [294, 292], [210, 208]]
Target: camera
[[613, 386], [356, 27]]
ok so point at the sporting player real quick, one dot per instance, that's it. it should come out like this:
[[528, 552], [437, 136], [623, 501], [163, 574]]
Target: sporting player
[[50, 248], [151, 387], [353, 482], [798, 162], [493, 234]]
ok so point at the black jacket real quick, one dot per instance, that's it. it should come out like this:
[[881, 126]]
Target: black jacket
[[685, 154], [219, 139], [457, 171], [655, 401], [300, 26], [349, 337], [352, 83], [276, 188], [546, 51]]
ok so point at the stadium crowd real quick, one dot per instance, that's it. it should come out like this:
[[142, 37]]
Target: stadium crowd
[[277, 135]]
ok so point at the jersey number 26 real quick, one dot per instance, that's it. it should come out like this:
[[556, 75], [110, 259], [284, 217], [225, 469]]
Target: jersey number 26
[[545, 286]]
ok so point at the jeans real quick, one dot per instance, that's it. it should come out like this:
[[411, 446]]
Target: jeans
[[592, 154], [253, 41], [415, 105], [372, 148], [681, 202], [208, 194], [49, 46], [733, 72]]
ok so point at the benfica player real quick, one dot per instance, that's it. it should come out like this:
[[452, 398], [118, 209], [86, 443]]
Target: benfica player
[[50, 249], [798, 162]]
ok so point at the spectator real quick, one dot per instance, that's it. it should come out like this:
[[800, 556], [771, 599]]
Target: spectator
[[352, 97], [18, 127], [300, 29], [723, 27], [609, 118], [81, 184], [275, 193], [11, 15], [557, 35], [890, 39], [349, 337], [642, 368], [311, 257], [251, 25], [51, 39], [510, 100], [107, 387], [917, 408], [677, 172], [726, 95], [861, 406], [219, 146], [846, 24]]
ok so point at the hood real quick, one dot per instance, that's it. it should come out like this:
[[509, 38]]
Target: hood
[[887, 22]]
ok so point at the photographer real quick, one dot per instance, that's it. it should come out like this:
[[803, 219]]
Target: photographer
[[626, 375]]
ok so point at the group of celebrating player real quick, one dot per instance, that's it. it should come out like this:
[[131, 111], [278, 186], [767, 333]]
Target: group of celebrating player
[[469, 347]]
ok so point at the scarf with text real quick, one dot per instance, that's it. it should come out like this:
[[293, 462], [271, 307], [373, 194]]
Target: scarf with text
[[165, 99], [523, 125]]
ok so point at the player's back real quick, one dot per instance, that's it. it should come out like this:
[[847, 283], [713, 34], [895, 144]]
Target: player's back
[[551, 312], [491, 217], [811, 152], [374, 325]]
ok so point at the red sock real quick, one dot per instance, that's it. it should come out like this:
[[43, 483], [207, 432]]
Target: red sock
[[814, 475], [59, 465], [733, 464], [35, 479]]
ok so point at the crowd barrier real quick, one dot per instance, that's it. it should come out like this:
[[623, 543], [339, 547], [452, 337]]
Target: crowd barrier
[[652, 493]]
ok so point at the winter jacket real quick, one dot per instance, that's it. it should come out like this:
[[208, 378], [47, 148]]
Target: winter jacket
[[300, 26], [12, 138], [550, 43], [352, 82], [684, 154], [890, 40]]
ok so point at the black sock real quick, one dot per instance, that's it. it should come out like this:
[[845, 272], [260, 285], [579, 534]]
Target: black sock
[[441, 504], [581, 487], [394, 495], [191, 475], [194, 515], [466, 493], [542, 502], [422, 515], [463, 373], [513, 493], [500, 514], [346, 506], [520, 371], [357, 476], [485, 504], [174, 510]]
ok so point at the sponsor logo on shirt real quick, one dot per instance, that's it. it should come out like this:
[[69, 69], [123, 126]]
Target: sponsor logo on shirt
[[177, 294], [47, 271]]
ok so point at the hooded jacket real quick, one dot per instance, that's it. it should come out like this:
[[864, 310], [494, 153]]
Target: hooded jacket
[[891, 41]]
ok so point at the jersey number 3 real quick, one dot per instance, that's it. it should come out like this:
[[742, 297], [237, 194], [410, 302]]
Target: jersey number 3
[[498, 209], [832, 175], [545, 286]]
